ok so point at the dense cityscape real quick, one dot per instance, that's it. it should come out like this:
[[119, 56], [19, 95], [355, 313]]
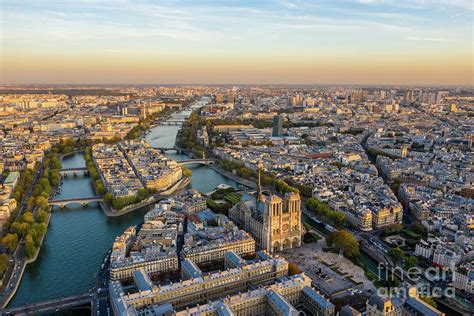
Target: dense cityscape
[[221, 158], [342, 200]]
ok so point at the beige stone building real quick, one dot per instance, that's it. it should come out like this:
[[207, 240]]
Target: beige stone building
[[387, 216], [201, 289]]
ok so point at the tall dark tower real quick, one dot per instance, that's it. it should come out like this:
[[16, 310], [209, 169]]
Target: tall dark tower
[[277, 130]]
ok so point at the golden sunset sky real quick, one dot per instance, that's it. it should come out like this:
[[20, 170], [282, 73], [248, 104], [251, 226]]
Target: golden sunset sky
[[364, 42]]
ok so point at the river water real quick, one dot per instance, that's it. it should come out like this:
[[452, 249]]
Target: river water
[[78, 237]]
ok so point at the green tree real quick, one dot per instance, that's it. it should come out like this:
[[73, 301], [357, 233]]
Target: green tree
[[42, 202], [418, 229], [3, 263], [99, 187], [396, 254], [28, 217], [322, 209], [343, 240], [44, 182], [41, 216], [30, 203], [142, 194], [34, 234], [118, 203], [108, 198], [30, 248], [429, 300], [55, 178], [40, 229], [20, 228], [55, 163], [10, 241], [410, 262], [186, 171]]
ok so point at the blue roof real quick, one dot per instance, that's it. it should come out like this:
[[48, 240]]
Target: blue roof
[[263, 255], [223, 310], [247, 197], [281, 303], [191, 268], [142, 280], [206, 216], [318, 298], [234, 258]]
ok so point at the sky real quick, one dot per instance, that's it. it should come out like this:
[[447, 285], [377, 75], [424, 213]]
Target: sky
[[254, 42]]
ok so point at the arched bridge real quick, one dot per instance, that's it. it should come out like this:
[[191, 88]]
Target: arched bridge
[[74, 169], [196, 161], [66, 171], [83, 201]]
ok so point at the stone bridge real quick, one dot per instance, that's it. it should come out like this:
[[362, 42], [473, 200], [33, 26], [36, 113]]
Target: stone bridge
[[66, 171], [83, 201], [206, 162]]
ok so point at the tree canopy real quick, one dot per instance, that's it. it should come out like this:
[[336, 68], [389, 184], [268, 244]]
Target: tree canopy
[[343, 240], [10, 241]]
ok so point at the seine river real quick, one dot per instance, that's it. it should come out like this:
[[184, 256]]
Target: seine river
[[78, 237]]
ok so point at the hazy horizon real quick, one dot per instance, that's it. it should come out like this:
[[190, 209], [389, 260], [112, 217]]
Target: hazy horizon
[[346, 42], [289, 85]]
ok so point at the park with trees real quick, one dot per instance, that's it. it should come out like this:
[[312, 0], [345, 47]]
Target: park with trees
[[323, 210], [31, 225]]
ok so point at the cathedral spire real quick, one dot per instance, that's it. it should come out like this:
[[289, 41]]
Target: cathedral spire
[[259, 190]]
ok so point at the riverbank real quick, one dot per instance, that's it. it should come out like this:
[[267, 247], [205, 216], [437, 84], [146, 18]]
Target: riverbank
[[181, 184], [35, 256], [20, 264], [230, 175]]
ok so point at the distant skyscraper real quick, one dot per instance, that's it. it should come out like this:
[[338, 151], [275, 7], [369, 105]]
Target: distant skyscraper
[[277, 126]]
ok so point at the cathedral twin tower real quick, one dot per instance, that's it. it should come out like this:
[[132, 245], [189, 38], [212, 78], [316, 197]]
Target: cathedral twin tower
[[273, 221]]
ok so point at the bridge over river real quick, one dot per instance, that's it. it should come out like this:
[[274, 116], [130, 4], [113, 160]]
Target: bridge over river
[[83, 201], [74, 171], [206, 162], [50, 305]]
